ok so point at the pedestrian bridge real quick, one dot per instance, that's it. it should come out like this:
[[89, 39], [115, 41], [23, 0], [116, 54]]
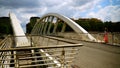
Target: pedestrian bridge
[[45, 47]]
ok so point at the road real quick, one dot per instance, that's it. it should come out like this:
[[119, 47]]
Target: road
[[94, 55]]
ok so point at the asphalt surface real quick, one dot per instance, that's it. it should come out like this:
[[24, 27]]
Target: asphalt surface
[[97, 55]]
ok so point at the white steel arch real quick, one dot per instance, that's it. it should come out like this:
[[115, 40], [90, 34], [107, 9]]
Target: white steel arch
[[77, 28], [20, 38]]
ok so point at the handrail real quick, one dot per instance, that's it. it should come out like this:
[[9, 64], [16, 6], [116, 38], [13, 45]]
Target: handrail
[[55, 59], [41, 47], [12, 56]]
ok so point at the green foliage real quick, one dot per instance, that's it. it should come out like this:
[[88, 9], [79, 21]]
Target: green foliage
[[29, 27], [85, 24], [5, 26], [94, 24], [117, 27], [59, 27], [112, 27], [52, 27], [31, 24], [68, 28], [89, 24]]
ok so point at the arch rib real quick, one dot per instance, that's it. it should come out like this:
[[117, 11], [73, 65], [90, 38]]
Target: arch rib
[[77, 28], [20, 38]]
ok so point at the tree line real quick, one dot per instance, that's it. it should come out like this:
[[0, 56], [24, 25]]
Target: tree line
[[89, 24], [5, 26], [94, 24]]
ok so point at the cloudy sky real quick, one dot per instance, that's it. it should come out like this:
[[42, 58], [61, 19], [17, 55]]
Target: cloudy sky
[[106, 10]]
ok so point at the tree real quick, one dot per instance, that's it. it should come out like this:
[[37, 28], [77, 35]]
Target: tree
[[5, 26], [31, 24]]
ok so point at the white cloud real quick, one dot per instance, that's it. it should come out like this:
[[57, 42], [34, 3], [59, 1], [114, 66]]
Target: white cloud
[[24, 9], [4, 11], [99, 6], [70, 8], [108, 13], [88, 5]]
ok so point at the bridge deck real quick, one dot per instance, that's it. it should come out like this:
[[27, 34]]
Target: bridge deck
[[91, 55], [95, 55]]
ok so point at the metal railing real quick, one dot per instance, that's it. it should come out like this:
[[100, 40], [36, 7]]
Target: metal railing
[[113, 38], [39, 56], [5, 42], [60, 56]]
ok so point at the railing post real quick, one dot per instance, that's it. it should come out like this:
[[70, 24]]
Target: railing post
[[13, 39], [15, 59], [112, 38], [63, 58], [2, 65], [31, 40]]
